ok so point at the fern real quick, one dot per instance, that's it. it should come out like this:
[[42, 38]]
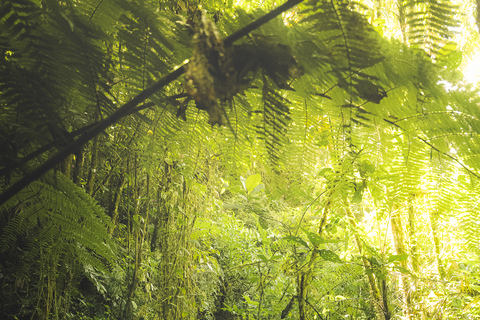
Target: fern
[[52, 79], [468, 224], [56, 214], [351, 46], [428, 24], [275, 121]]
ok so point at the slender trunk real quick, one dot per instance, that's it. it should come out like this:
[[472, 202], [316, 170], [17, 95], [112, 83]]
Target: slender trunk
[[156, 222], [166, 247], [51, 285], [381, 305], [437, 244], [301, 295], [142, 208], [132, 234], [134, 281], [399, 242], [413, 240], [116, 204], [413, 235]]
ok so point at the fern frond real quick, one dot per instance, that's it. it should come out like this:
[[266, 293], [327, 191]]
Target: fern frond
[[429, 24], [55, 212], [351, 46], [276, 117], [468, 222]]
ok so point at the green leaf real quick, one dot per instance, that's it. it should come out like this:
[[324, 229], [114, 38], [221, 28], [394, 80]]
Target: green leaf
[[258, 188], [298, 240], [357, 196], [333, 241], [404, 270], [252, 182], [249, 301], [397, 257], [470, 262], [262, 222], [316, 240], [263, 258], [366, 167], [330, 256]]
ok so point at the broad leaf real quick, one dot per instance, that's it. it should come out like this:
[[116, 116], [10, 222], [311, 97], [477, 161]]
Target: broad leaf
[[330, 256], [252, 182]]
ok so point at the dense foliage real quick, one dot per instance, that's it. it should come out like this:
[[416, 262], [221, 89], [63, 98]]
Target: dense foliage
[[238, 160]]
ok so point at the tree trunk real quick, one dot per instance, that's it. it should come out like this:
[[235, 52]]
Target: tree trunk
[[437, 244], [116, 202], [399, 242], [413, 234], [301, 295]]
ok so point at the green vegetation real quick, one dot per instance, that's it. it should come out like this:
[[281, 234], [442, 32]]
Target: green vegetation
[[239, 160]]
